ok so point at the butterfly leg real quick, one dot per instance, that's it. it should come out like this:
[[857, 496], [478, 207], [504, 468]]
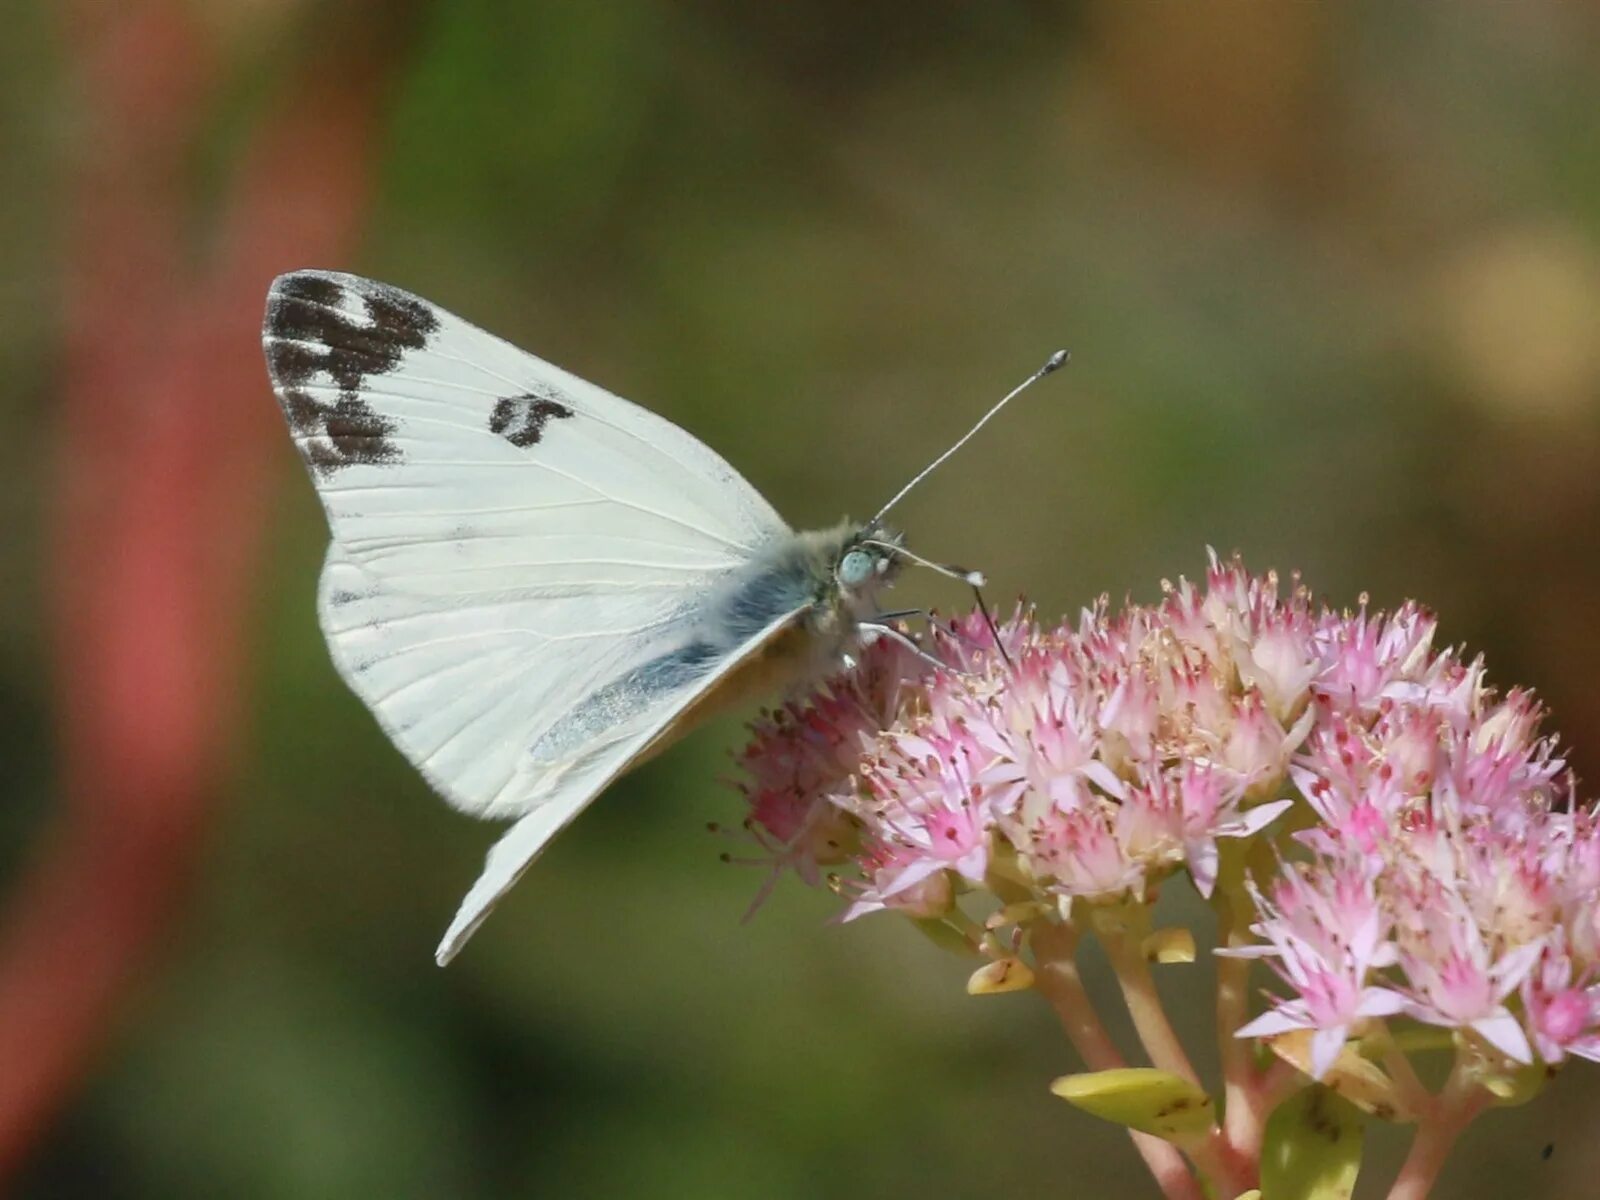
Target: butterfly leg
[[999, 643], [899, 614], [889, 631]]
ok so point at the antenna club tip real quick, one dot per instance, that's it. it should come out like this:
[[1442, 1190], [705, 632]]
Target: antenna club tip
[[976, 579], [1056, 361]]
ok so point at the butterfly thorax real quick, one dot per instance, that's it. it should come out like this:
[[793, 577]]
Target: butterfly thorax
[[801, 576], [829, 579]]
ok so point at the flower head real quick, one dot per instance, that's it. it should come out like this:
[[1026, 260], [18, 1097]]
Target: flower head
[[1326, 935], [1432, 861]]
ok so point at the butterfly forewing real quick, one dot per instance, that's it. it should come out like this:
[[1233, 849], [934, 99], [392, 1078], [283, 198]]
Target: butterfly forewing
[[442, 453], [521, 561]]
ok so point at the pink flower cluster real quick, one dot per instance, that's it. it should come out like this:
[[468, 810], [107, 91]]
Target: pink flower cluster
[[1427, 859]]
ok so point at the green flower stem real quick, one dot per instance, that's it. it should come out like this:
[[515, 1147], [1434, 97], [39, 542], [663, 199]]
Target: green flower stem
[[1239, 1076], [1413, 1092], [1122, 931], [1056, 977], [1276, 1083], [1250, 1093], [1446, 1115], [1244, 1099], [1119, 931]]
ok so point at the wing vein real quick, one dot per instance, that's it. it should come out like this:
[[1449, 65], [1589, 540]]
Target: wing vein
[[389, 623], [333, 489], [369, 558], [479, 689]]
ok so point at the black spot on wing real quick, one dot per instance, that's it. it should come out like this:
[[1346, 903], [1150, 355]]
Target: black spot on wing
[[521, 419], [311, 334], [342, 434], [318, 289]]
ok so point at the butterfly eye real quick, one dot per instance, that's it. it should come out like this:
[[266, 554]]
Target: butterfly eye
[[856, 567]]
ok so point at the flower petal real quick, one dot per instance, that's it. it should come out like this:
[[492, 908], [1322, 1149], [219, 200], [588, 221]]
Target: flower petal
[[1325, 1047], [1504, 1033], [1380, 1002], [1272, 1023]]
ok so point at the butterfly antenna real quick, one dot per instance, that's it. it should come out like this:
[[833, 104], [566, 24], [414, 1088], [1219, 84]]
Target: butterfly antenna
[[973, 579], [994, 631], [949, 570], [1054, 363]]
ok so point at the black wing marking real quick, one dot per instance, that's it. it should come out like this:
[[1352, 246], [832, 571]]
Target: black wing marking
[[315, 326]]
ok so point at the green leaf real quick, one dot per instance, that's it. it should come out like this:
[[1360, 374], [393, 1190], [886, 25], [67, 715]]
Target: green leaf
[[1142, 1098], [1002, 975], [1353, 1076], [1313, 1147], [1511, 1088], [1169, 946]]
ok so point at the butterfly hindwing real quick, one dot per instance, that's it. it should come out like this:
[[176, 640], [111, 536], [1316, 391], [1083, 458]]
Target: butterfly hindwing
[[581, 779]]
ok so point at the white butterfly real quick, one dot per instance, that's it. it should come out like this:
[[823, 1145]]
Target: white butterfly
[[532, 583]]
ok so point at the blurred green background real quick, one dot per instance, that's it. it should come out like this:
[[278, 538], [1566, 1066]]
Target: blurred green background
[[1331, 277]]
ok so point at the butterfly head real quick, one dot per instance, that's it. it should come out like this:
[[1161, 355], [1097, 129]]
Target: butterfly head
[[856, 564], [867, 562]]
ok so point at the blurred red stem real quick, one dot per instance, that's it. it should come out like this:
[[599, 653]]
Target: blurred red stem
[[166, 442]]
